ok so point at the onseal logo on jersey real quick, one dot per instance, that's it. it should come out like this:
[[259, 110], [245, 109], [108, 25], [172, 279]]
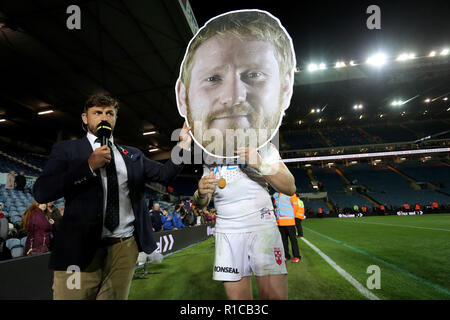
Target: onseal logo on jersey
[[226, 269], [277, 253]]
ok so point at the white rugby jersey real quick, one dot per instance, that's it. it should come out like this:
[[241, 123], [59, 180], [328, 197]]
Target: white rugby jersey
[[244, 205]]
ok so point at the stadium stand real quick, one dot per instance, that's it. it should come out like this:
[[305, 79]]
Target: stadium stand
[[429, 128], [348, 200], [332, 182], [389, 187], [351, 136], [13, 159], [304, 139], [435, 172], [390, 133], [315, 205], [344, 136], [302, 180]]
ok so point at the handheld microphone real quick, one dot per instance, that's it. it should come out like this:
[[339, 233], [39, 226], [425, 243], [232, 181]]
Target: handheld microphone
[[104, 131]]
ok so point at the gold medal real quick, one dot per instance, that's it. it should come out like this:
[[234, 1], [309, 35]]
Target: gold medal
[[222, 183]]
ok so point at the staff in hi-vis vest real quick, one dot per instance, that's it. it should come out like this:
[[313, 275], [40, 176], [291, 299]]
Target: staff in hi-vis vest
[[286, 223], [299, 210]]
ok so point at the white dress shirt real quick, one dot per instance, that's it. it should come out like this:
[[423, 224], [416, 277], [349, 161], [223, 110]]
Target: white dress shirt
[[126, 215]]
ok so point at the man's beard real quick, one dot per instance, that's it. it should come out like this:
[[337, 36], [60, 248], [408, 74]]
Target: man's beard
[[223, 144]]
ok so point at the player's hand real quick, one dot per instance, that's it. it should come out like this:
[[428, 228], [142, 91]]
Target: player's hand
[[185, 137], [207, 185], [100, 157], [250, 156]]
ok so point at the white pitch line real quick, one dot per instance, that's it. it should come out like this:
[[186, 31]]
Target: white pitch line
[[364, 291], [399, 225]]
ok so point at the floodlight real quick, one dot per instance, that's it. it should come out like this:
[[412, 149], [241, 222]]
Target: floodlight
[[312, 67], [378, 59]]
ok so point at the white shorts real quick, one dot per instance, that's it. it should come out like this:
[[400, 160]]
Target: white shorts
[[239, 254]]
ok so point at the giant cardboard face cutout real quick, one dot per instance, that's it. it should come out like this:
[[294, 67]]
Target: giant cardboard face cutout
[[236, 81]]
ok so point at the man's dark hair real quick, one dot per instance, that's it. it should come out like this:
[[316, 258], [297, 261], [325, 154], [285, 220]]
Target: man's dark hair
[[101, 100]]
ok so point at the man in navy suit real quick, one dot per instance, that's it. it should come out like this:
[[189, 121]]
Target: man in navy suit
[[105, 223]]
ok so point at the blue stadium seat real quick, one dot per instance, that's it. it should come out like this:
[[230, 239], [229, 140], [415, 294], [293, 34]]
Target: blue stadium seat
[[15, 247], [23, 241], [15, 219], [314, 205], [302, 180]]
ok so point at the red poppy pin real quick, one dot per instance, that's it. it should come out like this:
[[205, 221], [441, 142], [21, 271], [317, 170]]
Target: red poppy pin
[[125, 151]]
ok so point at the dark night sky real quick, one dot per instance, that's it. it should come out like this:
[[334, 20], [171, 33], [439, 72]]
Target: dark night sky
[[332, 30]]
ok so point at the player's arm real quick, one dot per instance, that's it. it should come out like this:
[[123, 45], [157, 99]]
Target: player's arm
[[282, 179], [276, 173]]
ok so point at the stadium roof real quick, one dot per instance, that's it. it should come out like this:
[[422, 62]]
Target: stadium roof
[[131, 49]]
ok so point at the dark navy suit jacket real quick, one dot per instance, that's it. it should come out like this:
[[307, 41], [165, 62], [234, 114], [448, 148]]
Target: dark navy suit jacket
[[67, 174]]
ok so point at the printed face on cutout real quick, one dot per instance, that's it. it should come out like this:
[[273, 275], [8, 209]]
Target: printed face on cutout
[[236, 95]]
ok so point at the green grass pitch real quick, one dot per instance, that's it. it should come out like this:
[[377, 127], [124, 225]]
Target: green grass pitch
[[412, 252]]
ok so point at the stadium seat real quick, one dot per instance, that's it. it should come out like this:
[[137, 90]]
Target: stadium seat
[[15, 219], [23, 241], [15, 247]]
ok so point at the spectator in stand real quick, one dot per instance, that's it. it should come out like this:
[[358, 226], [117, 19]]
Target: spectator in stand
[[199, 219], [61, 210], [177, 217], [435, 206], [156, 214], [320, 185], [187, 205], [54, 213], [207, 215], [183, 210], [39, 226], [364, 210], [320, 211], [4, 228], [2, 209], [10, 180], [21, 181], [167, 220], [213, 215], [189, 218]]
